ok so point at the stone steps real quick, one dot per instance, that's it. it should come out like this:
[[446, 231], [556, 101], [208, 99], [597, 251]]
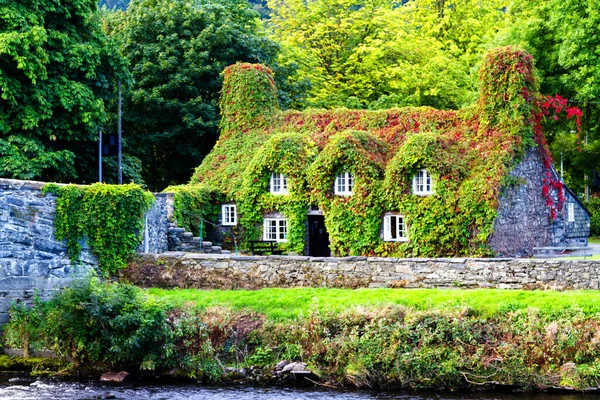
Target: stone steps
[[561, 251], [180, 240]]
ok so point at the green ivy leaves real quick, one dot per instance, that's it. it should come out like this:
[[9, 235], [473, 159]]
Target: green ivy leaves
[[109, 217]]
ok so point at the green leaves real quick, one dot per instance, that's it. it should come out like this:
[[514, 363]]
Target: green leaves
[[109, 217], [56, 69], [28, 158], [376, 54], [177, 51]]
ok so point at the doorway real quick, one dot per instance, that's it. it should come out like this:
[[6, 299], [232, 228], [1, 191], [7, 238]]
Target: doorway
[[318, 238]]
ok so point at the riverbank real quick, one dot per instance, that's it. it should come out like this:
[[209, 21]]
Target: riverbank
[[53, 389], [383, 339]]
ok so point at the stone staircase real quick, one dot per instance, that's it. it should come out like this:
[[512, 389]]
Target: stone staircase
[[562, 251], [180, 240]]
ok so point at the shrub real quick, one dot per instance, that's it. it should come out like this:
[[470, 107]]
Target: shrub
[[593, 205]]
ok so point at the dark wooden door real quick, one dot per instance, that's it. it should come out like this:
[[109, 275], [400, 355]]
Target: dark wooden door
[[318, 238]]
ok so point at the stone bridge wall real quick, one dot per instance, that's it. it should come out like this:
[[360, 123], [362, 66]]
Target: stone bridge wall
[[208, 271]]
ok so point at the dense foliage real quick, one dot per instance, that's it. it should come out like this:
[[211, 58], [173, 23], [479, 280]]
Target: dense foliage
[[468, 152], [177, 51], [57, 70], [109, 217], [194, 204], [594, 208], [99, 326], [380, 53]]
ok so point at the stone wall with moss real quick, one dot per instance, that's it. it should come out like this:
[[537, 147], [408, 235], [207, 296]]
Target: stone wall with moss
[[33, 260], [169, 270]]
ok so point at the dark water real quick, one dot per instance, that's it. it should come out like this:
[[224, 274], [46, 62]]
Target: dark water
[[26, 389]]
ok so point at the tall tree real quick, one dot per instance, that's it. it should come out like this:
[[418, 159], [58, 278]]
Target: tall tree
[[57, 68], [177, 51], [377, 53], [562, 37]]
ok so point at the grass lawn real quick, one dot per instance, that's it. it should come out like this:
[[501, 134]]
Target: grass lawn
[[592, 257], [286, 304], [594, 240]]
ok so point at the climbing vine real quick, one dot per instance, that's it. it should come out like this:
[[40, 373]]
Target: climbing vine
[[109, 217], [352, 221], [289, 154], [248, 97], [194, 203], [552, 186], [469, 153]]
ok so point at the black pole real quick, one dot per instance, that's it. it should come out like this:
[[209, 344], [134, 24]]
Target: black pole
[[120, 138], [100, 156]]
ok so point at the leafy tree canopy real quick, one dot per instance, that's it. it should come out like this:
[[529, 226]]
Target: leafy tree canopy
[[379, 53], [562, 36], [177, 50], [56, 71]]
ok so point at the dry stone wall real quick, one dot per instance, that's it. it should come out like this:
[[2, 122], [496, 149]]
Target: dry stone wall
[[209, 271], [32, 260]]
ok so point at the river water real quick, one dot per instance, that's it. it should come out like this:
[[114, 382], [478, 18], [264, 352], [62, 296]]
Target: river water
[[52, 389]]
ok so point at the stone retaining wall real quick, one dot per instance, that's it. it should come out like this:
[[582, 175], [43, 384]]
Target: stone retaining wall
[[32, 260], [209, 271]]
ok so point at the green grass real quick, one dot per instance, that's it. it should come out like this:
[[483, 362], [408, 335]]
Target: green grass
[[594, 240], [588, 258], [287, 304]]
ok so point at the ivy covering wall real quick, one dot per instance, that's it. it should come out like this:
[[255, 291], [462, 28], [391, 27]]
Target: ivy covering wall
[[109, 217], [194, 204], [469, 154]]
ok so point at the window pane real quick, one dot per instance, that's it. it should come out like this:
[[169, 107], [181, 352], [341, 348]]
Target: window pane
[[393, 227], [350, 182], [276, 183], [401, 228], [272, 229], [570, 212], [282, 229]]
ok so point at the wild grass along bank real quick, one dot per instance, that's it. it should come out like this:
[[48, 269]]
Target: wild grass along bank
[[382, 338]]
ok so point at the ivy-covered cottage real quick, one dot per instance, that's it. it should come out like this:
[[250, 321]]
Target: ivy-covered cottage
[[399, 182]]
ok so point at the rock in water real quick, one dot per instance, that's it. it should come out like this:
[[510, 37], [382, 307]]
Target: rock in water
[[118, 377]]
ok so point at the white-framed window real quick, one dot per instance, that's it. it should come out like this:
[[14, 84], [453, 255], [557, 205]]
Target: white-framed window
[[275, 229], [570, 212], [229, 214], [344, 184], [394, 228], [422, 183], [278, 184]]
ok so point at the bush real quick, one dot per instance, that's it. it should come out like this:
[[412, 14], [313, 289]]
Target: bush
[[93, 323], [593, 205], [100, 325]]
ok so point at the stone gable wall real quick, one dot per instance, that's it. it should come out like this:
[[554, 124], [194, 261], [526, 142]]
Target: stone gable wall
[[524, 221], [206, 271]]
